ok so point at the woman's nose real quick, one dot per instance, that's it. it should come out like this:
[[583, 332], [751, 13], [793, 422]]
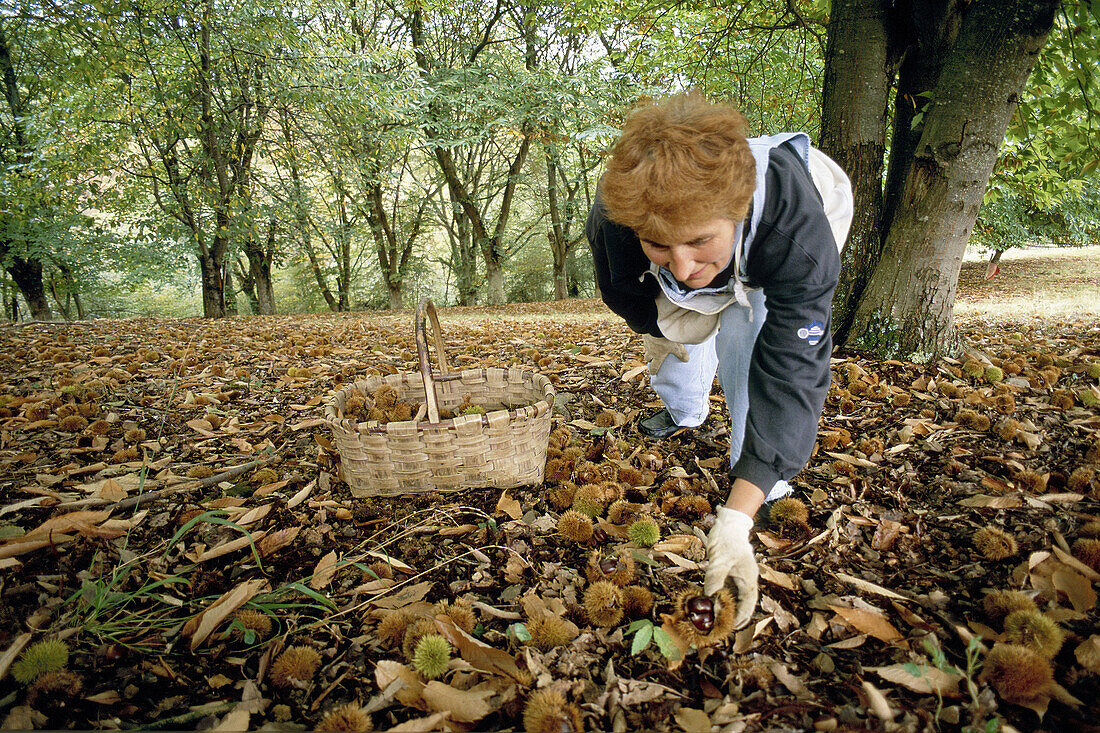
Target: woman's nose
[[681, 264]]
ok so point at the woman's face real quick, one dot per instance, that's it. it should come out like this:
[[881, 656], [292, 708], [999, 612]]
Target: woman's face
[[694, 254]]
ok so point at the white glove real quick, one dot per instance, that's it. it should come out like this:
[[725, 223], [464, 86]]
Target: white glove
[[657, 348], [730, 555]]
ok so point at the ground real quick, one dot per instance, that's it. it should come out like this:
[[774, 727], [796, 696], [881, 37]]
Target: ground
[[159, 478]]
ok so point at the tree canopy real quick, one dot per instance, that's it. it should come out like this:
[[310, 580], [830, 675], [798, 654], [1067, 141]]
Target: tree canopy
[[347, 154]]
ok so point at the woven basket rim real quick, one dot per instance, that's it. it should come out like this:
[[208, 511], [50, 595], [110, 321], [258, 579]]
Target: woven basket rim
[[540, 381]]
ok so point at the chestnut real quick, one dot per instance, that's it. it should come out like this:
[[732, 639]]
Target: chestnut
[[701, 613], [609, 565]]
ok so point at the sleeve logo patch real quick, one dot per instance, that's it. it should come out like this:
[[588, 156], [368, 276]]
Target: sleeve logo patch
[[812, 332]]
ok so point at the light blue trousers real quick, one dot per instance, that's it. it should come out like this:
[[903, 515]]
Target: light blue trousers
[[684, 387]]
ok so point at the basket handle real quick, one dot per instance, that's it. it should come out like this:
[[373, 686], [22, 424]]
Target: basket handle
[[427, 308]]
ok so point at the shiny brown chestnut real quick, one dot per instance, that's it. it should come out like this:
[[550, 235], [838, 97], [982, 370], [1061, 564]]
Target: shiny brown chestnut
[[609, 565], [701, 613]]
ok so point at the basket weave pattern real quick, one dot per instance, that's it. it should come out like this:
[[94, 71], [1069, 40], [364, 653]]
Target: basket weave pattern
[[504, 448]]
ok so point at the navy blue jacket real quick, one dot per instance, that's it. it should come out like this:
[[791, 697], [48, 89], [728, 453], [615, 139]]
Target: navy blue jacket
[[794, 259]]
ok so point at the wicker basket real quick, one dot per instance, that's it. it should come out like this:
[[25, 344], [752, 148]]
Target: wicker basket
[[503, 448]]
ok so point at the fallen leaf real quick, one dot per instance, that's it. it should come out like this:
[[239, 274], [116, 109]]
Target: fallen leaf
[[867, 622], [921, 678], [509, 506], [429, 724], [276, 540], [1076, 587], [877, 702], [466, 706], [479, 654], [692, 720], [868, 586], [1088, 654], [324, 571], [200, 626], [992, 502]]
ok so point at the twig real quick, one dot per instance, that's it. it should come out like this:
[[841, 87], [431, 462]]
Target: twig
[[177, 722], [133, 502]]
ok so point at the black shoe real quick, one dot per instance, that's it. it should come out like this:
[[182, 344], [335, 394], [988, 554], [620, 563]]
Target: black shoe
[[659, 425]]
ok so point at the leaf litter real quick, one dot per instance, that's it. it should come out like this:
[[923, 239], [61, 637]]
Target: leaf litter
[[171, 510]]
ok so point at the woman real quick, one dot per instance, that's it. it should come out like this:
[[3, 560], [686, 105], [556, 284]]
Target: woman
[[723, 252]]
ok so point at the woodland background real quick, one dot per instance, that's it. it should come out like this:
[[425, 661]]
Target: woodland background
[[182, 157]]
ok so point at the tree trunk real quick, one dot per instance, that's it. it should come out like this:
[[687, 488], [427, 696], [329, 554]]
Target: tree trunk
[[27, 275], [494, 284], [260, 258], [859, 68], [212, 276], [907, 307], [230, 290]]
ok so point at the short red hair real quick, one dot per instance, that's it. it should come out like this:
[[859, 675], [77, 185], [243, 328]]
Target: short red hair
[[679, 162]]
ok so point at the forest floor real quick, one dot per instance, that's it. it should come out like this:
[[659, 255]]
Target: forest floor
[[175, 526]]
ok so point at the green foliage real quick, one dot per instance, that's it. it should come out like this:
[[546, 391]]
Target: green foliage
[[1046, 180], [645, 631]]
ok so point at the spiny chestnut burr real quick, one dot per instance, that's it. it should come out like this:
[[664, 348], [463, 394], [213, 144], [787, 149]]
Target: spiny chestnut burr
[[615, 567], [704, 620]]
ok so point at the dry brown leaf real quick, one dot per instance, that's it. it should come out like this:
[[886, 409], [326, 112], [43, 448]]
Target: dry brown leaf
[[12, 652], [743, 639], [324, 571], [479, 654], [110, 490], [200, 626], [867, 622], [429, 724], [783, 580], [277, 540], [254, 515], [1076, 564], [82, 522], [466, 706], [1076, 587], [992, 502], [404, 596], [509, 506], [927, 681], [388, 672], [20, 546], [868, 586], [877, 702], [202, 427], [790, 681], [226, 548], [692, 720], [1088, 654]]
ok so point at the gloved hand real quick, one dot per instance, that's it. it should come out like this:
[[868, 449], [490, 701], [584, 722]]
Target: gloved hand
[[730, 555], [657, 348]]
